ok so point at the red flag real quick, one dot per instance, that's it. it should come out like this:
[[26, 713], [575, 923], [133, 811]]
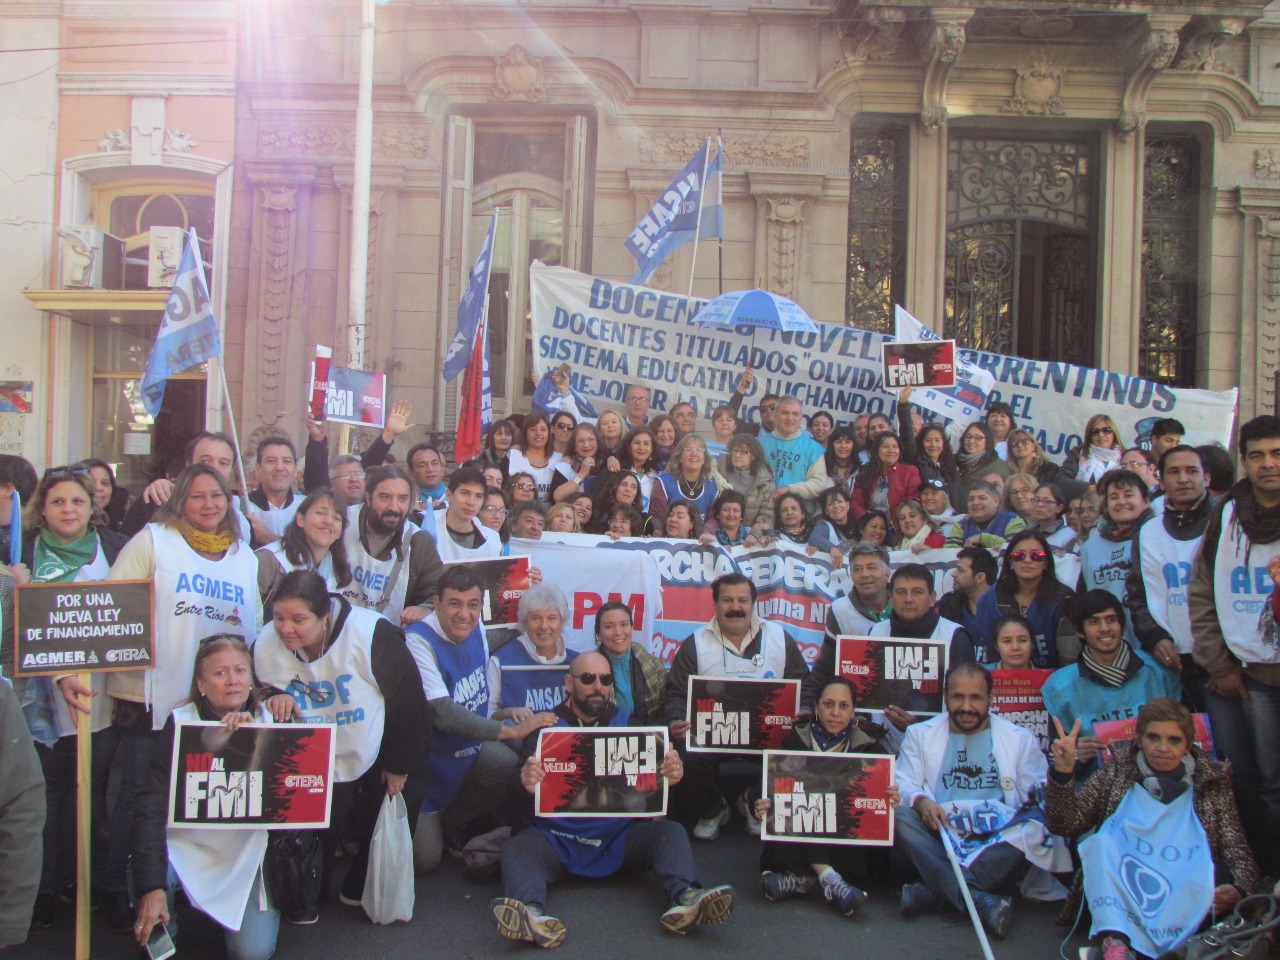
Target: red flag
[[470, 415]]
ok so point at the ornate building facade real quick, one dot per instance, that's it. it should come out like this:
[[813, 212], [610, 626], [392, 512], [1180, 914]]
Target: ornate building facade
[[1092, 182]]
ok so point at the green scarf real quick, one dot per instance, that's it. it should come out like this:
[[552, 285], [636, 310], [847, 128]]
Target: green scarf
[[58, 562]]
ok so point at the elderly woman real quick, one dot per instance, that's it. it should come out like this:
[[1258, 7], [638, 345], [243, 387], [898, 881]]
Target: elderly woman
[[747, 470], [639, 678], [526, 675], [689, 475], [316, 643], [220, 870], [1167, 786]]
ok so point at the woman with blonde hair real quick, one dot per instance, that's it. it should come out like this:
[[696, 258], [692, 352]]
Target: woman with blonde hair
[[563, 519], [1100, 452], [1025, 456], [690, 475], [1019, 490]]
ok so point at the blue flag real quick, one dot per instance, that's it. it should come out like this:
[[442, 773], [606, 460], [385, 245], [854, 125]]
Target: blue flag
[[673, 220], [470, 309], [188, 333]]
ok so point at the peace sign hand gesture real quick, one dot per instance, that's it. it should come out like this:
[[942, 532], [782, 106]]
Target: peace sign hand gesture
[[1064, 748]]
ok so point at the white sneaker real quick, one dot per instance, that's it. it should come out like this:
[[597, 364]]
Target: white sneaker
[[744, 808], [708, 828]]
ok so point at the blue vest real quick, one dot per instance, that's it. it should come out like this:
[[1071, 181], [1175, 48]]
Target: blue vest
[[1045, 616], [1104, 565], [588, 846], [1068, 695], [462, 667], [710, 490], [540, 689]]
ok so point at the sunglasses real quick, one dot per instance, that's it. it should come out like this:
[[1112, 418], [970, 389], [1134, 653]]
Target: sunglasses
[[76, 471], [587, 679], [564, 426], [1036, 555], [1043, 501], [523, 486], [1101, 432]]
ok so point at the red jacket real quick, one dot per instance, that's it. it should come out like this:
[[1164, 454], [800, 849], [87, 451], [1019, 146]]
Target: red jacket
[[904, 484]]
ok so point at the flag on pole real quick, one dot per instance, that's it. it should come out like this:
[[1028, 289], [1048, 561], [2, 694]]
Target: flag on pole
[[680, 216], [188, 333], [962, 403], [471, 309]]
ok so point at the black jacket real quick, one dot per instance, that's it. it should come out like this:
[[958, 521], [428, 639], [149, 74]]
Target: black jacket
[[1190, 525]]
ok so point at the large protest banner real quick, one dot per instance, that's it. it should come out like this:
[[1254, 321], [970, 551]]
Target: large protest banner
[[602, 772], [828, 798], [259, 776], [613, 333]]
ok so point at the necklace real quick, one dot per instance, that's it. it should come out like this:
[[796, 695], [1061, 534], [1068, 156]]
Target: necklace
[[690, 492]]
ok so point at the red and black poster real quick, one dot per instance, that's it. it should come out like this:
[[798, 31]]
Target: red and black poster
[[740, 715], [927, 363], [1110, 731], [828, 798], [1015, 695], [894, 672], [506, 579], [261, 776], [602, 772]]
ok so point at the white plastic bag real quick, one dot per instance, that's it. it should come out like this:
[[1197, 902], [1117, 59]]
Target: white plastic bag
[[388, 888]]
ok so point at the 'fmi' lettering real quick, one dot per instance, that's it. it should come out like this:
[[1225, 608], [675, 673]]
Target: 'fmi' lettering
[[226, 795], [723, 728]]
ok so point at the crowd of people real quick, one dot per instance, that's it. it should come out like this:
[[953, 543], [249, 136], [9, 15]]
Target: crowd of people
[[340, 572]]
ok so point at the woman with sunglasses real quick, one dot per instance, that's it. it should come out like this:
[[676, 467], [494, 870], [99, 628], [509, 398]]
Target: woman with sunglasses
[[66, 540], [521, 488], [312, 541], [562, 425], [538, 456], [326, 661], [206, 582], [1099, 453], [1028, 585], [639, 678], [578, 472], [1025, 456], [1048, 510]]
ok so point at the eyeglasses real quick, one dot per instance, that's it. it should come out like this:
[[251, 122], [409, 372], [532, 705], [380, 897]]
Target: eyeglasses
[[1022, 442], [523, 485], [321, 698], [1044, 501], [348, 476], [496, 511], [73, 471], [562, 426], [1020, 555], [587, 679], [1103, 431]]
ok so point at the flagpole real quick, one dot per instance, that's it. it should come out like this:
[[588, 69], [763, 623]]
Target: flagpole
[[235, 439], [720, 198], [697, 229]]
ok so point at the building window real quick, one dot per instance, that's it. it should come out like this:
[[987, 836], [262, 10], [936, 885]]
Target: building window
[[876, 269], [134, 214], [1020, 247], [1170, 254]]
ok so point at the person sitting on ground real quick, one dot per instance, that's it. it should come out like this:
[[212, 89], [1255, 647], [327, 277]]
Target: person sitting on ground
[[1014, 644], [597, 847], [1111, 680], [973, 575], [1101, 451], [951, 764], [526, 675], [792, 869], [986, 525], [1162, 778], [747, 470], [1028, 584]]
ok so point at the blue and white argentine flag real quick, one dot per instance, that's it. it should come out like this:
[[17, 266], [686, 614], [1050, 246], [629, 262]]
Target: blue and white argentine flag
[[673, 219], [471, 309], [188, 333]]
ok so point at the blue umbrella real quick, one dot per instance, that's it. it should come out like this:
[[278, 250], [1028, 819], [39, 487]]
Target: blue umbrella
[[755, 308]]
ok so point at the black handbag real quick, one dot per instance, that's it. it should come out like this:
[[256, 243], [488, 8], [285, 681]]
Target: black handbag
[[1245, 935], [292, 870]]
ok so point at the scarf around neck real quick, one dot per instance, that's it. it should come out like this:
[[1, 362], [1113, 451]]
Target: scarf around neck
[[205, 542], [1166, 787], [58, 562], [830, 742], [1114, 674]]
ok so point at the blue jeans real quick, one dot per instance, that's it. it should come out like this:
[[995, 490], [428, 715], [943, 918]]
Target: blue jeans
[[995, 867], [1248, 737], [256, 938]]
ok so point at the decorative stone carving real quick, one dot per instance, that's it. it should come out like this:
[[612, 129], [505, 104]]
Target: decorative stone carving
[[1266, 164], [1037, 91], [1205, 38], [518, 76], [940, 49], [783, 220], [768, 151], [1267, 329], [326, 140], [875, 36], [115, 141], [179, 141], [1153, 53], [275, 247]]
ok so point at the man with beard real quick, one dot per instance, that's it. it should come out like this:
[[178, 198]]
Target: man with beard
[[969, 772], [597, 847], [738, 645], [395, 567]]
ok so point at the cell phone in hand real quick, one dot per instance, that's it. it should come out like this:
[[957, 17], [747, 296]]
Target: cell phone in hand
[[160, 944]]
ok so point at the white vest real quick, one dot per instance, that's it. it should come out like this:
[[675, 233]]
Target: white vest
[[945, 630], [450, 550], [325, 569], [1166, 571], [370, 586], [717, 660], [195, 598], [1243, 590], [339, 688], [851, 622], [217, 867], [277, 519]]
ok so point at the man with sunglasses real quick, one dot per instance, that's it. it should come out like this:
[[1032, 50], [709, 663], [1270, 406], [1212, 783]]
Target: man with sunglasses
[[768, 407], [597, 847], [737, 644]]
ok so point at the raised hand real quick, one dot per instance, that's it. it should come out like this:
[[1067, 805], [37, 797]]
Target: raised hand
[[398, 420], [1065, 747]]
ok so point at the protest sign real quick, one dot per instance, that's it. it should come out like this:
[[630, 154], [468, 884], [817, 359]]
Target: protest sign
[[745, 715], [930, 363], [602, 772], [893, 672], [88, 627], [1015, 695], [351, 396], [828, 798], [259, 776], [1110, 731], [505, 581]]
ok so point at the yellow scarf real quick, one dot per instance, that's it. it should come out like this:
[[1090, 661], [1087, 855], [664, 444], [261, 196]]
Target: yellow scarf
[[205, 542]]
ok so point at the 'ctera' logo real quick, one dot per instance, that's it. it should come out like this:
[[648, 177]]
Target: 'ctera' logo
[[718, 727]]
